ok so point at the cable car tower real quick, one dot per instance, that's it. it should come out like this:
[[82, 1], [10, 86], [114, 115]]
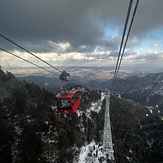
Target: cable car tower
[[107, 136]]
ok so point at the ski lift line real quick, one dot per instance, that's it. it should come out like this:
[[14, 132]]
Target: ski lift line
[[119, 60], [35, 56], [133, 16], [124, 31], [28, 61], [29, 52], [123, 36]]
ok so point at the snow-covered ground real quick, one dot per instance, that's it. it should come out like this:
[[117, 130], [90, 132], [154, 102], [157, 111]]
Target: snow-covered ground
[[92, 153], [95, 106]]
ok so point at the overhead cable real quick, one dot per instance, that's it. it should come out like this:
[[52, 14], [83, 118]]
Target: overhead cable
[[123, 36], [128, 33], [28, 61], [121, 50], [29, 52], [37, 57]]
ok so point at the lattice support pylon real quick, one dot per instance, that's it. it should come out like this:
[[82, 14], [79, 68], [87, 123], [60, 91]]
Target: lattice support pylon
[[107, 135]]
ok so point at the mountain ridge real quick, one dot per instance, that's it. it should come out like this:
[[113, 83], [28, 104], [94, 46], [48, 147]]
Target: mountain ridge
[[33, 130]]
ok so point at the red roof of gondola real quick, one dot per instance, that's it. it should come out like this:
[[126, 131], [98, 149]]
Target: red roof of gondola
[[67, 94]]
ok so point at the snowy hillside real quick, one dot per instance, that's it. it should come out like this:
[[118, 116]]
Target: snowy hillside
[[32, 130]]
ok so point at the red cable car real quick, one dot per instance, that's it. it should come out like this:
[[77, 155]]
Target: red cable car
[[68, 102]]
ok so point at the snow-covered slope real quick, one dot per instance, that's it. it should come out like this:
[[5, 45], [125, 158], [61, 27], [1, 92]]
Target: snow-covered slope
[[33, 131]]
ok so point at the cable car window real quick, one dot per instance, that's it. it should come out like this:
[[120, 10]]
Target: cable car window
[[75, 98], [64, 103]]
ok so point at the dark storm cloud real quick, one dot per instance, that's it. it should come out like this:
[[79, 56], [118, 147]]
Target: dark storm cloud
[[34, 22], [59, 21], [148, 17]]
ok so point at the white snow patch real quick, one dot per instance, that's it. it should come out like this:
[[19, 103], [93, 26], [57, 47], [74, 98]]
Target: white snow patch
[[92, 108], [79, 113], [83, 153], [18, 130], [46, 122], [92, 153], [54, 107], [86, 152], [51, 141], [102, 96], [151, 111], [128, 158], [95, 106]]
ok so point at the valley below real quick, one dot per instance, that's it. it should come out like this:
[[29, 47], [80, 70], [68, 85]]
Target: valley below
[[33, 130]]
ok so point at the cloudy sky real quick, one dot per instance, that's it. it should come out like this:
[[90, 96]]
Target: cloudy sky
[[81, 32]]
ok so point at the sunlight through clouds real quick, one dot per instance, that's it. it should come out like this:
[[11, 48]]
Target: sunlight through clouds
[[91, 32]]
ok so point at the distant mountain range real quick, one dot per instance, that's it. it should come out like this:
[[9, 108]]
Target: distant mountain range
[[147, 90], [50, 84]]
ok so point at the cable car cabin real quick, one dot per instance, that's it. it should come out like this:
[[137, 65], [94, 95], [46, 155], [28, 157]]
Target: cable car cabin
[[68, 102]]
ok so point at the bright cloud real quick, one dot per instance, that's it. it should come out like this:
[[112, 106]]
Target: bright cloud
[[80, 33]]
